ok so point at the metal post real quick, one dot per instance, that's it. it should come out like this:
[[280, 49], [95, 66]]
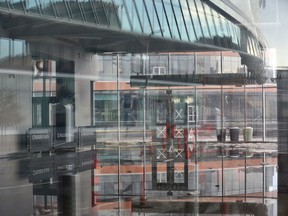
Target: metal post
[[118, 101], [263, 115], [118, 134], [245, 114], [222, 165], [222, 95], [245, 176], [263, 177], [118, 178], [196, 154]]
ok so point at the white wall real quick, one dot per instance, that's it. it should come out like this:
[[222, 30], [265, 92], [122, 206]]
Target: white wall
[[84, 73]]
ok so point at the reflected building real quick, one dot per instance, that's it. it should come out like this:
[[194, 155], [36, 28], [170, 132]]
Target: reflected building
[[110, 106]]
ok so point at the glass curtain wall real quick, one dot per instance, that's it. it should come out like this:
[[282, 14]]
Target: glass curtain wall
[[155, 121], [193, 21]]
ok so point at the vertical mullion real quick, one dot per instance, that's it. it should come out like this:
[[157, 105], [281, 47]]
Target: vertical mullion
[[177, 26], [146, 10], [69, 13], [138, 16], [54, 9], [200, 24], [40, 7], [23, 6], [204, 11], [82, 11], [94, 12], [167, 20], [105, 12], [117, 17], [191, 18], [184, 21], [165, 17], [128, 17]]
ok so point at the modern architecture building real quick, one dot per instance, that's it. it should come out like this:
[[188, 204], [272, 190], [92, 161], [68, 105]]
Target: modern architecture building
[[138, 107]]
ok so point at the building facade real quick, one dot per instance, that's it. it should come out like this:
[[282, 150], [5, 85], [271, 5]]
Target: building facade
[[110, 106]]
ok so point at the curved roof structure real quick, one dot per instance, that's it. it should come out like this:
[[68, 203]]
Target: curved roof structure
[[136, 26]]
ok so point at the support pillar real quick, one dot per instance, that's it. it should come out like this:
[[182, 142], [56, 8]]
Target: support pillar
[[282, 117], [69, 197]]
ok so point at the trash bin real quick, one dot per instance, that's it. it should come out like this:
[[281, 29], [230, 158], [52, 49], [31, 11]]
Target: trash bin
[[248, 134], [234, 134], [221, 134]]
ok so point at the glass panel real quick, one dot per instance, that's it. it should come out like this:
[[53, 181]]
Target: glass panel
[[179, 21], [188, 20], [153, 17], [32, 6], [235, 38], [18, 52], [4, 3], [132, 13], [169, 16], [167, 26], [182, 64], [102, 8], [122, 13], [203, 21], [111, 13], [5, 51], [62, 9], [49, 8], [196, 22], [17, 4], [143, 16], [270, 115], [75, 9], [210, 20], [87, 10]]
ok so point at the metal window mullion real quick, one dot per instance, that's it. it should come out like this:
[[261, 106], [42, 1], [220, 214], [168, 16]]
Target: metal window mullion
[[167, 20], [148, 17], [117, 17], [23, 5], [177, 26], [196, 8], [157, 16], [213, 20], [253, 45], [82, 11], [207, 23], [227, 30], [105, 12], [214, 24], [127, 15], [138, 16], [184, 21], [191, 18], [222, 28], [68, 10], [39, 6], [54, 9], [10, 4], [232, 34], [234, 26], [94, 12]]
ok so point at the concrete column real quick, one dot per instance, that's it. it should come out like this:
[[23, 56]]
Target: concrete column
[[282, 117], [69, 197]]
